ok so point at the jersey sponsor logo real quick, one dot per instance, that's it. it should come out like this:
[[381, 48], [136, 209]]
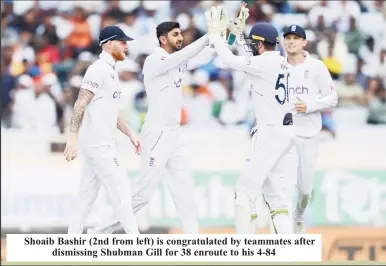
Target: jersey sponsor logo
[[178, 83], [91, 83], [298, 90], [117, 94]]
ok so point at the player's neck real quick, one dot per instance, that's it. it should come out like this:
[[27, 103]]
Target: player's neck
[[168, 49], [296, 59], [110, 54]]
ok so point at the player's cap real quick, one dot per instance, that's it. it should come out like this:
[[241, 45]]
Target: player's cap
[[112, 33], [295, 29], [263, 31]]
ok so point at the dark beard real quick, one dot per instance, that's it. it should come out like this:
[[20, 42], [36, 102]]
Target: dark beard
[[176, 49]]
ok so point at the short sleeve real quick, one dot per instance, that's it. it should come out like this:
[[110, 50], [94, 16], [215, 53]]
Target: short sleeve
[[92, 80]]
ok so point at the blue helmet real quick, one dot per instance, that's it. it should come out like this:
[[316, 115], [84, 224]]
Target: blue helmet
[[265, 32], [261, 32]]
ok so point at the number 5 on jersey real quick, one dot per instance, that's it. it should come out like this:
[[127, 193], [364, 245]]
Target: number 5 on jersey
[[281, 92]]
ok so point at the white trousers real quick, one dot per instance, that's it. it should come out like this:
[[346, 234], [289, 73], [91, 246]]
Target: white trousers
[[271, 164], [308, 151], [270, 168], [164, 152], [102, 166]]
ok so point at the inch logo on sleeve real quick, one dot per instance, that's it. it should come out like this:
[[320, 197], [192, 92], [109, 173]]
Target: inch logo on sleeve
[[91, 83]]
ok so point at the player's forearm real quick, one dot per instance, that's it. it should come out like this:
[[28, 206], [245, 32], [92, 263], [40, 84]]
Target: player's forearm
[[240, 48], [121, 125], [177, 58], [202, 58], [323, 103], [222, 49], [84, 98], [77, 117], [227, 57]]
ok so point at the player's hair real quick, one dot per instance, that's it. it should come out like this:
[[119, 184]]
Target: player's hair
[[165, 27], [269, 46]]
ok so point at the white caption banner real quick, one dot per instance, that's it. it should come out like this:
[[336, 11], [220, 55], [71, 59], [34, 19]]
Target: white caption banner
[[163, 248]]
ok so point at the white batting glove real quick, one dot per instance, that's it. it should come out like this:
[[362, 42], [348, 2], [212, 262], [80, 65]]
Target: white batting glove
[[236, 26]]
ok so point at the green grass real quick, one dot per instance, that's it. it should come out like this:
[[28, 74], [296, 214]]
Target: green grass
[[202, 263]]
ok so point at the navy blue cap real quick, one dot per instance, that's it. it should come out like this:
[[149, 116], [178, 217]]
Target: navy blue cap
[[112, 33], [295, 29], [263, 31]]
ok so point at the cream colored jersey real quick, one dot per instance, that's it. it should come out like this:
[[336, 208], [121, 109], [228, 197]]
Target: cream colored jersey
[[267, 82], [311, 82], [163, 74], [99, 126]]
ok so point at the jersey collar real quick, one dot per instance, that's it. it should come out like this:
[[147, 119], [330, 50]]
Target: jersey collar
[[270, 53], [107, 58], [161, 50]]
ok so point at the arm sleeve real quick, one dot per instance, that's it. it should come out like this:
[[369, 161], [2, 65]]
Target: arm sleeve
[[161, 64], [231, 60], [240, 48], [202, 58], [329, 96], [92, 80]]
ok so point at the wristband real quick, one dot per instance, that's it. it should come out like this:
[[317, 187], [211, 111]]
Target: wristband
[[231, 38]]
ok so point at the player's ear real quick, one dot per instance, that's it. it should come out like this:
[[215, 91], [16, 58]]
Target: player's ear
[[163, 39], [304, 43]]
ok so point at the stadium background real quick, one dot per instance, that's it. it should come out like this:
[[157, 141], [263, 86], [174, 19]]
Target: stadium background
[[46, 47]]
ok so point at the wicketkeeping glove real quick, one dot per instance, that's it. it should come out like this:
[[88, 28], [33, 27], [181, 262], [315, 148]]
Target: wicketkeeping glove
[[236, 26], [216, 20]]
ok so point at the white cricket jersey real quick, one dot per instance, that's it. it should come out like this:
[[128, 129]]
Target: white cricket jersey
[[266, 78], [99, 125], [311, 82], [163, 74]]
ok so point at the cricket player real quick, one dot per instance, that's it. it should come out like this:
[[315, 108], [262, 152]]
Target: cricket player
[[273, 158], [312, 90], [96, 120], [164, 148]]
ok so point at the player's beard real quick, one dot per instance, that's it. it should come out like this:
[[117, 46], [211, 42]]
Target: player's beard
[[118, 55], [177, 46]]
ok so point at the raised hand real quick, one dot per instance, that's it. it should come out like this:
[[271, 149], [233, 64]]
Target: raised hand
[[216, 20], [236, 26]]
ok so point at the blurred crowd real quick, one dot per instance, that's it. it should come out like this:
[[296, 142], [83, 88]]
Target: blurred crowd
[[46, 47]]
